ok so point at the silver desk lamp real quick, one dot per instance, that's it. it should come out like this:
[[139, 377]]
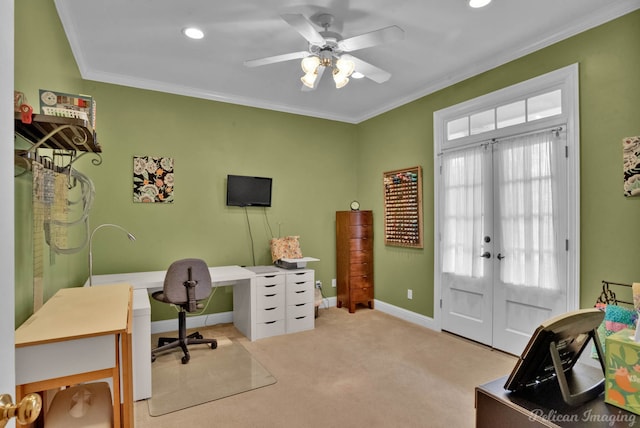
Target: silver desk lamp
[[129, 235]]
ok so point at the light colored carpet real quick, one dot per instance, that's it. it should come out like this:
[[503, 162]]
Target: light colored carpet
[[211, 374], [366, 369]]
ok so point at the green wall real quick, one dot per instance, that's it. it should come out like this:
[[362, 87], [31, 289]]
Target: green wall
[[609, 60], [318, 166], [310, 161]]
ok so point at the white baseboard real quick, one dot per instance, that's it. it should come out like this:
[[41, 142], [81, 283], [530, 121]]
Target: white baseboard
[[406, 315], [327, 302]]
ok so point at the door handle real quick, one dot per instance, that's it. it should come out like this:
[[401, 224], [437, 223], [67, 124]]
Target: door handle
[[25, 412], [500, 256], [486, 255]]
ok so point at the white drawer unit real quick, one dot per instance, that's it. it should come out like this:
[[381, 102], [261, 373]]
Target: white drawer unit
[[270, 304], [299, 300], [300, 317], [270, 328], [284, 301]]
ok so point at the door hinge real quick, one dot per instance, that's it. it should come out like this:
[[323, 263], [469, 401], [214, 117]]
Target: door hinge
[[440, 303], [566, 151], [566, 245]]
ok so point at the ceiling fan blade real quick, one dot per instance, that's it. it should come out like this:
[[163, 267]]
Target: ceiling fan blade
[[372, 72], [305, 27], [374, 38], [305, 88], [277, 58]]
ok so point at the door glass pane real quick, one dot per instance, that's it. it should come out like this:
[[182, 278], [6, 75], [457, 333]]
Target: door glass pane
[[511, 114], [545, 105], [527, 220], [458, 128], [483, 122], [463, 191]]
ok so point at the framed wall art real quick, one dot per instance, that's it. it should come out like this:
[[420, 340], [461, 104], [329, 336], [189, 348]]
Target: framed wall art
[[153, 179], [631, 165]]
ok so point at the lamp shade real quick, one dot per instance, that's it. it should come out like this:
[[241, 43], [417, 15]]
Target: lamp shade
[[340, 83], [342, 71], [310, 64], [345, 67], [309, 79]]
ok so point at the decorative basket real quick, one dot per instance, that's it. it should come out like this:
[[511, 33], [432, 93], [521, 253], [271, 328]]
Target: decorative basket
[[63, 112]]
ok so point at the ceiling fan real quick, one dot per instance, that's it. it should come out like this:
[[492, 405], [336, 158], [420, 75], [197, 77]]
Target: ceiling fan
[[327, 49]]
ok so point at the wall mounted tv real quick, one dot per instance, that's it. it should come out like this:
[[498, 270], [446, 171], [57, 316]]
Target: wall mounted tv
[[245, 191]]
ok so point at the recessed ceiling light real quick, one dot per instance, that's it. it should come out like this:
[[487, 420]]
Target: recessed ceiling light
[[193, 33], [479, 3], [357, 75]]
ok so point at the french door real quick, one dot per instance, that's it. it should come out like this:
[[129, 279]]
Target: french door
[[503, 236]]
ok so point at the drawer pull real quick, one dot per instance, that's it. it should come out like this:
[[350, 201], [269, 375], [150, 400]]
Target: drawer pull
[[270, 322], [300, 304], [301, 282], [302, 317], [269, 295], [269, 276], [270, 285], [270, 309], [301, 291]]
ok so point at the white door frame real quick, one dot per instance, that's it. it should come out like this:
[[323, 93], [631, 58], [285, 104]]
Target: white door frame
[[565, 78], [7, 227]]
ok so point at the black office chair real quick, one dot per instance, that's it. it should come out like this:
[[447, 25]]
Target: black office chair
[[186, 283]]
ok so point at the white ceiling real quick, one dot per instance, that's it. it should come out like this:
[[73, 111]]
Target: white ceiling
[[139, 43]]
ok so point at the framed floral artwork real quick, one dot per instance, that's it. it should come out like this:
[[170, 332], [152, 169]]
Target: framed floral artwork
[[153, 180], [631, 165]]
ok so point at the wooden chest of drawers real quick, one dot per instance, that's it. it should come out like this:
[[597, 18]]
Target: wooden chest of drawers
[[354, 252]]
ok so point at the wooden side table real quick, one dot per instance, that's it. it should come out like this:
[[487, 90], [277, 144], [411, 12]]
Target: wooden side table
[[79, 335]]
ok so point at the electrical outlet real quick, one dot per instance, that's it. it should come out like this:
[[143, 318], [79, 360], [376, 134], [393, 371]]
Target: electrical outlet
[[333, 283], [318, 284], [409, 294]]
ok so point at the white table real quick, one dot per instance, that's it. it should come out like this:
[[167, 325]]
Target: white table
[[244, 312]]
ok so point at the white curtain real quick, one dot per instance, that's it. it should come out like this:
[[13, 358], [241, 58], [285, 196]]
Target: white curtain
[[463, 199], [528, 227]]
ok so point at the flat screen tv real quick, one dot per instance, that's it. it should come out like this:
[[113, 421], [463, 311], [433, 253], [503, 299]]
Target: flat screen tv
[[245, 191], [554, 349]]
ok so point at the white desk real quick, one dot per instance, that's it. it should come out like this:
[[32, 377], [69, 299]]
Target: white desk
[[288, 311], [242, 279], [145, 282]]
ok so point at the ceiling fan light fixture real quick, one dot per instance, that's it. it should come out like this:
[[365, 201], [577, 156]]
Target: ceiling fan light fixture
[[357, 75], [310, 64], [478, 3]]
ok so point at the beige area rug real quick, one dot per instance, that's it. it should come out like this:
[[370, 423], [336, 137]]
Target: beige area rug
[[210, 375]]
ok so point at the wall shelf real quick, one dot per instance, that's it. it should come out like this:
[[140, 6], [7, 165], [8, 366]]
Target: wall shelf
[[60, 133]]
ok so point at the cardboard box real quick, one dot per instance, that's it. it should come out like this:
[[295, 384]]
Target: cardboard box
[[622, 379]]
